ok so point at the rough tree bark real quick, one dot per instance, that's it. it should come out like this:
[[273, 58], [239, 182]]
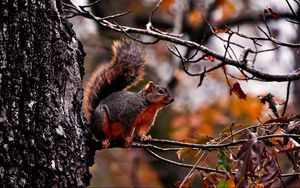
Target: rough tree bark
[[42, 137]]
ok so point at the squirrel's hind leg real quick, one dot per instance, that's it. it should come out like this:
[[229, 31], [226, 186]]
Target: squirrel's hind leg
[[101, 127]]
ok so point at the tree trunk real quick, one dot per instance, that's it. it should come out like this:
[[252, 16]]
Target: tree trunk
[[42, 137]]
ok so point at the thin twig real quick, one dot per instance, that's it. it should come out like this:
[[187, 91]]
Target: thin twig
[[191, 171], [91, 4], [287, 98]]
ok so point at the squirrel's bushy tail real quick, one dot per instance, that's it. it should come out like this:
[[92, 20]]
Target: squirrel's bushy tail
[[124, 70]]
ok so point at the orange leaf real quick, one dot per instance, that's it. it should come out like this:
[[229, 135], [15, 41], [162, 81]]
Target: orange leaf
[[221, 30], [237, 90], [166, 4], [194, 18], [231, 182]]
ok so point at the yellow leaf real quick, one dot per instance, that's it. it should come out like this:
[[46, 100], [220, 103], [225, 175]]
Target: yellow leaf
[[182, 152]]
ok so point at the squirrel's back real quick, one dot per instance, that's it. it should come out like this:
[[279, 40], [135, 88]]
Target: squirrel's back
[[125, 69]]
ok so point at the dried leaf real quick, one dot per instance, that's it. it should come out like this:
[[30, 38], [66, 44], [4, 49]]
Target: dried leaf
[[294, 127], [210, 180], [186, 184], [237, 90], [271, 169], [297, 148], [182, 152], [277, 140], [242, 160], [201, 79], [274, 14], [254, 158], [221, 29], [272, 105]]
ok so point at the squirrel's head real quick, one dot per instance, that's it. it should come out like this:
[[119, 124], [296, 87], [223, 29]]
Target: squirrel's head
[[156, 94]]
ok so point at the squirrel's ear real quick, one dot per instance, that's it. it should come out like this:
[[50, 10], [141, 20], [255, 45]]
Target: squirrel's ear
[[149, 87]]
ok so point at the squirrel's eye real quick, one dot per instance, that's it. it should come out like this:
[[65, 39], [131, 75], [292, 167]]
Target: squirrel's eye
[[160, 91]]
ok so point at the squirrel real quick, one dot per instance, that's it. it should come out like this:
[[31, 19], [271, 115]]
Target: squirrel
[[111, 111]]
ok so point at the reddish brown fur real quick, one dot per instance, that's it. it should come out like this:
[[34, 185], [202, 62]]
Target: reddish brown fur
[[145, 119], [114, 130], [91, 89]]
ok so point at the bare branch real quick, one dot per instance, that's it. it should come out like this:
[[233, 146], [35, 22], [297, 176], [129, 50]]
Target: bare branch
[[189, 44]]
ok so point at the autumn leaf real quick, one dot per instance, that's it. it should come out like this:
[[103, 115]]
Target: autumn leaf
[[237, 90], [194, 18], [272, 104], [210, 180], [186, 184], [271, 12], [274, 14], [166, 4], [221, 30], [231, 182], [255, 158], [242, 161], [271, 169], [277, 140], [182, 152]]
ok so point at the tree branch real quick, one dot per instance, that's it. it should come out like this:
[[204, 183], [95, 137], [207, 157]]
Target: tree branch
[[104, 22]]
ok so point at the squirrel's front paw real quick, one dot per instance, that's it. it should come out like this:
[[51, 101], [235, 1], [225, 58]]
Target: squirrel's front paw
[[145, 137], [128, 142], [105, 143]]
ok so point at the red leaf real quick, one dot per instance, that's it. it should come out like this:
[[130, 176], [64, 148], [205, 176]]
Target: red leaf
[[274, 14], [209, 58], [237, 90]]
